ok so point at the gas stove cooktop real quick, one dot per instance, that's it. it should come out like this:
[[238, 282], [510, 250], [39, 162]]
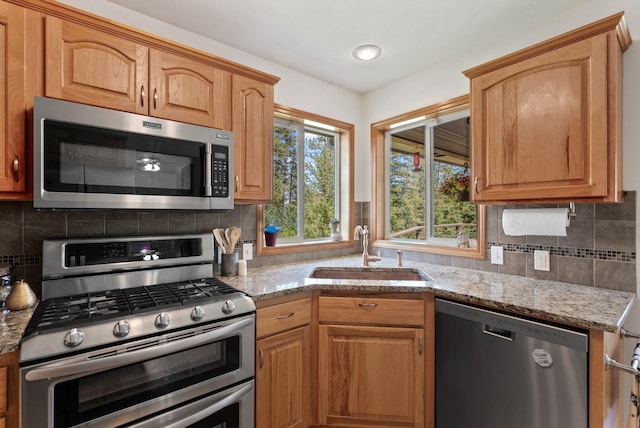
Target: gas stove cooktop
[[99, 292], [83, 309]]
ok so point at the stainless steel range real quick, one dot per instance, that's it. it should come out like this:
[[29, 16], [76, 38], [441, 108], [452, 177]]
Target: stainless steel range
[[137, 332]]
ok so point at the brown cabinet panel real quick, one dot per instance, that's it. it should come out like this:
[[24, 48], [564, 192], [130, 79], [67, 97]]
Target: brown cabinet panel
[[367, 310], [92, 67], [282, 317], [283, 380], [9, 390], [13, 154], [545, 123], [253, 139], [371, 376], [189, 91]]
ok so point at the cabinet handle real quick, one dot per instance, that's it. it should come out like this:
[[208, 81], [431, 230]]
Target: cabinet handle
[[237, 183], [142, 96], [475, 184], [368, 305], [285, 316], [155, 98], [420, 345], [16, 169], [261, 359]]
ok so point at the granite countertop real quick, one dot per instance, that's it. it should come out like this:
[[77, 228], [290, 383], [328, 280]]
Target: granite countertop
[[581, 306], [12, 325], [586, 307]]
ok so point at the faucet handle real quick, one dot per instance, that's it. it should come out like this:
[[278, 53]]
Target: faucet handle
[[399, 253]]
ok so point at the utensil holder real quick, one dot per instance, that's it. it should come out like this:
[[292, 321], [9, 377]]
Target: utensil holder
[[229, 265]]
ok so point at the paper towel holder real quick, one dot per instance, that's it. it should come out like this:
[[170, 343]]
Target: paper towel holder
[[572, 210]]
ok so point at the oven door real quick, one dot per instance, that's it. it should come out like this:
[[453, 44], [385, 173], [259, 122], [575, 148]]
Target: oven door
[[126, 383], [231, 408]]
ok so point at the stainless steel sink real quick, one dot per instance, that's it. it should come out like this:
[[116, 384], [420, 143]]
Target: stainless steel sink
[[370, 273]]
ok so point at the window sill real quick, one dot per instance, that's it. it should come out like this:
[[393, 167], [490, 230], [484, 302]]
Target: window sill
[[299, 247]]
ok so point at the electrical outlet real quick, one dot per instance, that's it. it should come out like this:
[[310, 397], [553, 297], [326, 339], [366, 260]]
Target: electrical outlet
[[541, 260], [247, 251], [497, 255]]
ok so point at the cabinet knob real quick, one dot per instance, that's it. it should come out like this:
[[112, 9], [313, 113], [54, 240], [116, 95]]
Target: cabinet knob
[[16, 169]]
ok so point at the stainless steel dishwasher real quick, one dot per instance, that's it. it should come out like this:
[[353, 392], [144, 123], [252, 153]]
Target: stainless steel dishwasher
[[500, 371]]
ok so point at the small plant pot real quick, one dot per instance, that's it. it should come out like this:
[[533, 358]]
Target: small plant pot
[[270, 239], [463, 195]]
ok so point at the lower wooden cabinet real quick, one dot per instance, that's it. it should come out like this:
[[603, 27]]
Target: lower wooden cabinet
[[372, 353], [283, 380], [371, 376], [283, 365], [9, 391]]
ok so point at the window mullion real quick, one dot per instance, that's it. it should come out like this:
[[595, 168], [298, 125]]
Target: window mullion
[[301, 176]]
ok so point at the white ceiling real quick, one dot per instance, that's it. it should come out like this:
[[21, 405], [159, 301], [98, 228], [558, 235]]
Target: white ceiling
[[316, 37]]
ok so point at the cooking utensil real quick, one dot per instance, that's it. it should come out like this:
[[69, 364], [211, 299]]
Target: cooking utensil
[[220, 239], [234, 235], [227, 236]]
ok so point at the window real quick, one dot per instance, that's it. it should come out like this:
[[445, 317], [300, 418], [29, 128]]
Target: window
[[311, 186], [425, 193]]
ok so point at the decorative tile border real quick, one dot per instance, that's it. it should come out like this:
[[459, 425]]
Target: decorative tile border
[[582, 253], [22, 259]]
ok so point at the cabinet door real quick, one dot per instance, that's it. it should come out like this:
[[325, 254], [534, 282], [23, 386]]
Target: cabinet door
[[12, 98], [253, 139], [371, 376], [9, 390], [283, 380], [189, 91], [540, 126], [93, 67]]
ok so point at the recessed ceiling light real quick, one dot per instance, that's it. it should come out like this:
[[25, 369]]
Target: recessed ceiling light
[[367, 52]]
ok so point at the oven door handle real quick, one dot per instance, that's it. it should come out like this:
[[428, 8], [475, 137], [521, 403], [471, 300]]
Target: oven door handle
[[185, 416], [66, 368]]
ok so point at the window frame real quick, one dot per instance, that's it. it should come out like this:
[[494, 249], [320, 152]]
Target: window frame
[[379, 175], [344, 181]]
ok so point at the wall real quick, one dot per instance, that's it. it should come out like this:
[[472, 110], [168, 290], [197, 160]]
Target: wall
[[24, 228]]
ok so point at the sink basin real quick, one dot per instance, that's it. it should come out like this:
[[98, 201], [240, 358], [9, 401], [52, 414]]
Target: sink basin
[[368, 274]]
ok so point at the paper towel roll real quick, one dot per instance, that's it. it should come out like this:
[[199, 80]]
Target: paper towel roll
[[536, 221]]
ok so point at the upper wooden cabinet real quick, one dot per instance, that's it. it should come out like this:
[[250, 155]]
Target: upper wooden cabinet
[[189, 91], [253, 140], [93, 67], [547, 120], [14, 100]]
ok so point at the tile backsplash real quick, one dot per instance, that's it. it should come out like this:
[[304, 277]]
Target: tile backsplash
[[23, 229], [599, 249]]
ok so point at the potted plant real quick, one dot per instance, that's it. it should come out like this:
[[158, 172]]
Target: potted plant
[[270, 234], [457, 186]]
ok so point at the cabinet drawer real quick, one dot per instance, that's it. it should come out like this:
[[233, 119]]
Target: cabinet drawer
[[285, 316], [363, 310], [3, 389]]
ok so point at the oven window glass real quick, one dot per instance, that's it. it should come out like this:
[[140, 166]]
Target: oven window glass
[[84, 159], [90, 397]]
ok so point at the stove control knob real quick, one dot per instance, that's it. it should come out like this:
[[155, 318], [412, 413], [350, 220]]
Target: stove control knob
[[162, 320], [121, 329], [197, 313], [73, 338], [228, 307]]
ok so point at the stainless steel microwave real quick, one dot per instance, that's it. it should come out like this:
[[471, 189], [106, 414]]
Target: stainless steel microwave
[[88, 157]]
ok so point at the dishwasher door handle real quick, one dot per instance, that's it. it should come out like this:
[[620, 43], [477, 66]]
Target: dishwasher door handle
[[498, 332]]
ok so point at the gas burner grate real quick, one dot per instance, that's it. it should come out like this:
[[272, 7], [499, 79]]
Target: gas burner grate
[[81, 309]]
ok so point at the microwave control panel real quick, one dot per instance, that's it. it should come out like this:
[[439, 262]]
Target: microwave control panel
[[219, 171]]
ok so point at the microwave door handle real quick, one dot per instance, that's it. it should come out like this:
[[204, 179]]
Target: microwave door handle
[[208, 171], [187, 418], [60, 369]]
